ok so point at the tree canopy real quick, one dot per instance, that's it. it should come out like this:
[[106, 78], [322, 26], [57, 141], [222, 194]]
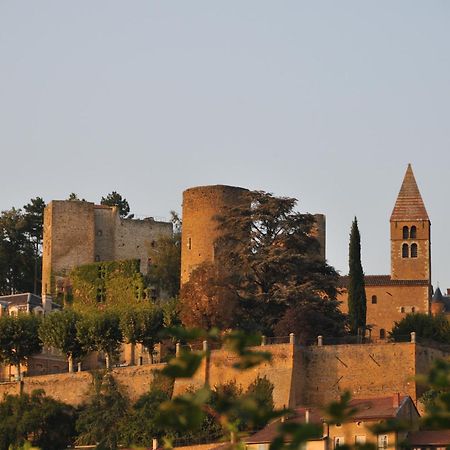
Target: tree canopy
[[37, 420], [357, 303], [436, 328], [59, 330], [269, 258], [115, 199], [19, 339]]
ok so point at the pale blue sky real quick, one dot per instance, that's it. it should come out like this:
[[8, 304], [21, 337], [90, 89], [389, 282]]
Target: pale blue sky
[[326, 101]]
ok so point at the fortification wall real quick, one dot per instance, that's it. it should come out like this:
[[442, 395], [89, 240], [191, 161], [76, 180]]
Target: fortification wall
[[220, 370], [368, 370], [134, 238], [300, 375], [200, 207], [74, 388]]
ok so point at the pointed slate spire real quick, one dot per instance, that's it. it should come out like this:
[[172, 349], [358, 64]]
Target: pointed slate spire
[[409, 204]]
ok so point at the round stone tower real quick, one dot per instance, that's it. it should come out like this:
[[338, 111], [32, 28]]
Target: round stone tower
[[201, 205]]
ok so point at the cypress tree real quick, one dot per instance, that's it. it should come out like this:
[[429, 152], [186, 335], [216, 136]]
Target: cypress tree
[[356, 286]]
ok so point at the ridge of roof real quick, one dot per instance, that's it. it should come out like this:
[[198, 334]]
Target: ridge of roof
[[409, 204], [382, 280]]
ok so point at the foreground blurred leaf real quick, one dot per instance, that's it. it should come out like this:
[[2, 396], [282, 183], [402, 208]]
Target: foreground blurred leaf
[[183, 366], [185, 412]]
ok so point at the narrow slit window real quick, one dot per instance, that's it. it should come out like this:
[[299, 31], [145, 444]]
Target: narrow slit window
[[190, 243]]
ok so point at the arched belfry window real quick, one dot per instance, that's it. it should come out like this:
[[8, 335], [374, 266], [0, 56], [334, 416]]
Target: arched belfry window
[[405, 251], [405, 232], [413, 232], [413, 250]]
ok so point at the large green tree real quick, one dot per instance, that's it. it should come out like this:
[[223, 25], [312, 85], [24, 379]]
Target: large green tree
[[34, 227], [141, 324], [115, 199], [268, 256], [101, 332], [435, 328], [357, 304], [59, 330], [17, 254], [20, 248], [100, 420], [37, 420], [19, 339]]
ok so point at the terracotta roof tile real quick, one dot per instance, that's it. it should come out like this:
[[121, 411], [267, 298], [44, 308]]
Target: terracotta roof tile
[[409, 204], [383, 280], [373, 408], [429, 438]]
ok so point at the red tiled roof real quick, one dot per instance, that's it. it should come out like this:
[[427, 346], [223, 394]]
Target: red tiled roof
[[383, 280], [428, 438], [409, 204], [268, 433], [374, 408]]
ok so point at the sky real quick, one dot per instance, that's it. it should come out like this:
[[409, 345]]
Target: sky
[[323, 101]]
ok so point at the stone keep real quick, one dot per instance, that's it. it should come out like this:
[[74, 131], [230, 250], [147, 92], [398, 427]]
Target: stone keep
[[201, 205], [79, 232]]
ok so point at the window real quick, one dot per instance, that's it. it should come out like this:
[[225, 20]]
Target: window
[[413, 232], [189, 243], [338, 441], [382, 441], [382, 333], [413, 309], [99, 233], [402, 309], [405, 251], [374, 299], [413, 250], [405, 233]]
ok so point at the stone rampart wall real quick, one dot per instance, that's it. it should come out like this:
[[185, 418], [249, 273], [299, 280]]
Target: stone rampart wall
[[300, 375]]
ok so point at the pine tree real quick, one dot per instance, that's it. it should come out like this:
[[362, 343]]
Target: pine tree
[[356, 288]]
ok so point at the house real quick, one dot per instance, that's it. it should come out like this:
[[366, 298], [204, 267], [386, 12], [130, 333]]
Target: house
[[429, 440], [357, 430]]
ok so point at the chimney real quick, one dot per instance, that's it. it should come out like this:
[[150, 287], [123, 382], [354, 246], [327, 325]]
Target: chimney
[[306, 415], [396, 400]]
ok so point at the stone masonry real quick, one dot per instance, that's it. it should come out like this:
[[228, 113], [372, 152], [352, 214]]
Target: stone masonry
[[79, 232]]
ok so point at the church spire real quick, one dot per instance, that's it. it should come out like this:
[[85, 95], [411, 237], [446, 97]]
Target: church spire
[[409, 204]]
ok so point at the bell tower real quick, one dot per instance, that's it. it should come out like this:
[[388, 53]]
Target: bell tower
[[410, 234]]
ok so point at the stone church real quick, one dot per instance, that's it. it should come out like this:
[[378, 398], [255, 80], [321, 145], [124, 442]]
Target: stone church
[[408, 287]]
